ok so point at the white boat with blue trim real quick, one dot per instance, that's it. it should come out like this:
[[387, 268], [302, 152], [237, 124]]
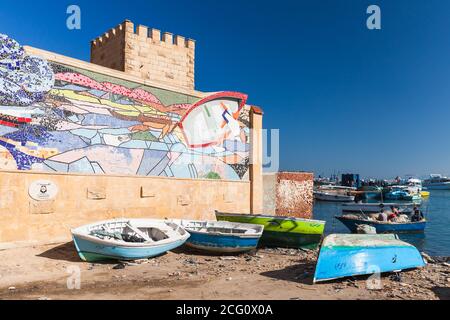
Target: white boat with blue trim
[[222, 236], [436, 182], [127, 239]]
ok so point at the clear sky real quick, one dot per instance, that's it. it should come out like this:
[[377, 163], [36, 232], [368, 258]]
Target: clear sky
[[345, 98]]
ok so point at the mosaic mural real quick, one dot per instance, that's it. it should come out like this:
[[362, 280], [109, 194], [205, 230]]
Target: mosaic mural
[[58, 118]]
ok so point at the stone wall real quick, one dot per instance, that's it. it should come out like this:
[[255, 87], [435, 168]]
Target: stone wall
[[288, 194], [148, 54], [81, 199]]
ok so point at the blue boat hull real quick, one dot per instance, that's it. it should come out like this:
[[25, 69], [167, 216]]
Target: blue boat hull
[[352, 225], [222, 243], [343, 262], [92, 251]]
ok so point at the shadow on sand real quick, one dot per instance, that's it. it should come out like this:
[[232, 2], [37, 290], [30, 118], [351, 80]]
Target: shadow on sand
[[442, 293], [300, 273], [66, 252]]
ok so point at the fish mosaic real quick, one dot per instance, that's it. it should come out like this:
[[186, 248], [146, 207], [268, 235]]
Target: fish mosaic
[[59, 118]]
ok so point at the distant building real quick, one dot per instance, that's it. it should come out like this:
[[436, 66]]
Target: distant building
[[351, 180]]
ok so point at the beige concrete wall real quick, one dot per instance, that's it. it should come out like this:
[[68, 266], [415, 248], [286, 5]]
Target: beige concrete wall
[[270, 188], [88, 198]]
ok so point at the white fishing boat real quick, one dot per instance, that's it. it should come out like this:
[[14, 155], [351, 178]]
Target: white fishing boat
[[127, 239], [437, 182], [406, 207], [335, 197], [222, 236]]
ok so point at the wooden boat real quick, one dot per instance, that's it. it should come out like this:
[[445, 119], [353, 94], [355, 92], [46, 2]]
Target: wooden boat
[[222, 236], [334, 197], [406, 207], [346, 255], [127, 239], [281, 231], [383, 227]]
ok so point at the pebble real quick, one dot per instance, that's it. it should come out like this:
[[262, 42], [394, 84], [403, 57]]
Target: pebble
[[228, 258], [44, 298], [229, 279], [12, 288]]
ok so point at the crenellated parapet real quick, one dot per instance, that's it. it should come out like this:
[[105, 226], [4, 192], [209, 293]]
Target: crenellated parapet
[[147, 53]]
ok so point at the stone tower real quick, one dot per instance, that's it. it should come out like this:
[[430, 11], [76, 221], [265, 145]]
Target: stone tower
[[144, 53]]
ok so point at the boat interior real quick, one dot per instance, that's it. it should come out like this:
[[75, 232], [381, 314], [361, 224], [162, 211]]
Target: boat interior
[[127, 231], [219, 227]]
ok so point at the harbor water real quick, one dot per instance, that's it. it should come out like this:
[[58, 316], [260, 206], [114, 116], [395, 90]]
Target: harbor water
[[436, 239]]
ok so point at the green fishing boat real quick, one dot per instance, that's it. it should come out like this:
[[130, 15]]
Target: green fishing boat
[[279, 231]]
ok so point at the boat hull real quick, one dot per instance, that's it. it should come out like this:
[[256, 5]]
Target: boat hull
[[374, 254], [221, 243], [281, 231], [376, 207], [384, 227], [323, 196], [444, 186], [92, 251]]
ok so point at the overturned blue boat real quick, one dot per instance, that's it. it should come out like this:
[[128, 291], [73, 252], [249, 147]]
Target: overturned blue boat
[[221, 236], [352, 224], [346, 255]]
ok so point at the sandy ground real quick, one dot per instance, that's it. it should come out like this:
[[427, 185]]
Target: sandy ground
[[51, 272]]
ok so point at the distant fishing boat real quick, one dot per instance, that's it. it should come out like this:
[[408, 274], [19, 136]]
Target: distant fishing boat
[[370, 192], [347, 255], [334, 197], [127, 239], [352, 224], [400, 193], [222, 236], [437, 182], [281, 231], [376, 207]]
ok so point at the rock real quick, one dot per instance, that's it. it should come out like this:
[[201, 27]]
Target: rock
[[446, 264], [44, 298], [190, 261], [119, 266], [427, 257], [229, 279], [448, 279], [12, 288], [228, 258]]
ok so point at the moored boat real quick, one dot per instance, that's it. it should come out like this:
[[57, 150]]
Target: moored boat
[[352, 224], [127, 239], [401, 193], [436, 182], [424, 194], [333, 197], [346, 255], [222, 236], [281, 231], [406, 207]]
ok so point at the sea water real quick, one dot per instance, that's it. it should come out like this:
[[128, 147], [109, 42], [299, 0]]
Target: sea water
[[435, 240]]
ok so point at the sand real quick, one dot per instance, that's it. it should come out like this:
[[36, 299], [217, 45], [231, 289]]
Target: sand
[[51, 272]]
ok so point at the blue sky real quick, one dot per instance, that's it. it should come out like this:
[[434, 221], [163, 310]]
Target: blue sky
[[345, 98]]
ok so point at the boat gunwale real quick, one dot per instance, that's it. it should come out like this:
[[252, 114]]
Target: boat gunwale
[[78, 232], [257, 227], [322, 222], [381, 222]]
